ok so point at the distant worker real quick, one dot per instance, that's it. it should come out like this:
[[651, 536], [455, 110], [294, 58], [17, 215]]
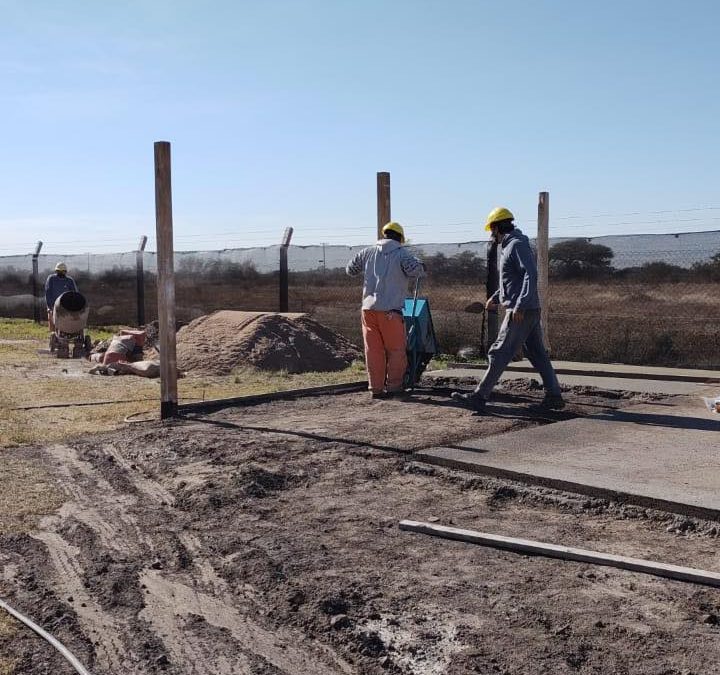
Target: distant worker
[[387, 266], [521, 328], [55, 285]]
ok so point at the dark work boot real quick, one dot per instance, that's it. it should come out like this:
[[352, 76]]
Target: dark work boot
[[549, 402], [471, 400]]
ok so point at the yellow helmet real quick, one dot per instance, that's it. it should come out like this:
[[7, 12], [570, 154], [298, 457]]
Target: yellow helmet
[[61, 267], [496, 215], [394, 227]]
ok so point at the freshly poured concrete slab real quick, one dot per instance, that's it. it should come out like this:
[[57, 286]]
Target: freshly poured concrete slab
[[616, 383], [665, 457]]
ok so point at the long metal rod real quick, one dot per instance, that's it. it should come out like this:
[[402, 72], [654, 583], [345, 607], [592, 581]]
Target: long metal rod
[[525, 546]]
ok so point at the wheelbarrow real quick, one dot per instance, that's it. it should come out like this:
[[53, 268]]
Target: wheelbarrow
[[421, 343]]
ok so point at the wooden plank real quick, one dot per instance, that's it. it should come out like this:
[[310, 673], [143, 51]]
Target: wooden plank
[[256, 399], [383, 201], [543, 262], [166, 281], [527, 546], [595, 372]]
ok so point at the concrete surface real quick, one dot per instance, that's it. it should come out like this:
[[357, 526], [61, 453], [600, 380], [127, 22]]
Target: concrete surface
[[618, 383], [664, 456]]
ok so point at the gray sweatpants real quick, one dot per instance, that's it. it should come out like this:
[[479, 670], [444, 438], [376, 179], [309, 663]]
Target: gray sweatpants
[[528, 335]]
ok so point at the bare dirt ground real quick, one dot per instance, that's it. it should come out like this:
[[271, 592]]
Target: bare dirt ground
[[264, 541]]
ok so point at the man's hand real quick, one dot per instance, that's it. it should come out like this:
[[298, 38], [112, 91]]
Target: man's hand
[[490, 306], [518, 315]]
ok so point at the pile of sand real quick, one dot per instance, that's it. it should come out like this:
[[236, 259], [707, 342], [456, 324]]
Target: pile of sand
[[220, 342]]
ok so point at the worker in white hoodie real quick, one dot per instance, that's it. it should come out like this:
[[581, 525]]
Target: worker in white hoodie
[[387, 267]]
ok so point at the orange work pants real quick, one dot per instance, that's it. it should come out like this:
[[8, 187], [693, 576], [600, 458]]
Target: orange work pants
[[385, 357]]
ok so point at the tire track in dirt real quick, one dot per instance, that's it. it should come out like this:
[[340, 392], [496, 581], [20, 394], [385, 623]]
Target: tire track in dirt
[[105, 632], [169, 599], [88, 491]]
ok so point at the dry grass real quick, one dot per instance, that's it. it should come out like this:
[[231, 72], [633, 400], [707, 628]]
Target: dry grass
[[28, 494], [37, 393]]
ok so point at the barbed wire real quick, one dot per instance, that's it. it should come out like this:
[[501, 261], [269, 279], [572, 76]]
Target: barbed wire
[[456, 228]]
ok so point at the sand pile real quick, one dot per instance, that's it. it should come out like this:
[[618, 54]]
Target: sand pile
[[217, 343]]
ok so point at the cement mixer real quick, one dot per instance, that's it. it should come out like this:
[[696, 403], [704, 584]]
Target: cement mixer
[[70, 315]]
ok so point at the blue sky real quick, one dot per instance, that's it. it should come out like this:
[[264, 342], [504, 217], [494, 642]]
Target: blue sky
[[281, 113]]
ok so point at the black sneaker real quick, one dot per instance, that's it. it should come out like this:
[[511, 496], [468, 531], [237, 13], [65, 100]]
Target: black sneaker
[[472, 400], [379, 395], [549, 402], [398, 394]]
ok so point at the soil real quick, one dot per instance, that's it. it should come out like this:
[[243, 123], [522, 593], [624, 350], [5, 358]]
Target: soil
[[265, 540], [218, 343]]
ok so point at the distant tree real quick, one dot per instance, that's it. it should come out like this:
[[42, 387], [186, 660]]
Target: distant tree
[[707, 271], [466, 266], [655, 273], [580, 259]]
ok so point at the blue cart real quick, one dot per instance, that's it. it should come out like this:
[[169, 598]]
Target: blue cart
[[420, 337]]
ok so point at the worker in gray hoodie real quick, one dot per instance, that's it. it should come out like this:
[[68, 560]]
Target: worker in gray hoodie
[[386, 266], [55, 285], [521, 328]]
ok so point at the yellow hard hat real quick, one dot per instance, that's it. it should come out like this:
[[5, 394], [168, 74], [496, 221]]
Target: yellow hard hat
[[61, 267], [394, 227], [498, 214]]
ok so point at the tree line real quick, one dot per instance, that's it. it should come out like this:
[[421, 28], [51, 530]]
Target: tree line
[[571, 259]]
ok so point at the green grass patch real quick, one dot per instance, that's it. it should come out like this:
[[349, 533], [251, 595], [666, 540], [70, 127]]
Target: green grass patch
[[25, 329]]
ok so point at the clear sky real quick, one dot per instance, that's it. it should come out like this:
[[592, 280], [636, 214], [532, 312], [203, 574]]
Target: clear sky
[[280, 112]]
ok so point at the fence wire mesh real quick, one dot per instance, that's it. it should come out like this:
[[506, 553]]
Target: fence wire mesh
[[642, 299]]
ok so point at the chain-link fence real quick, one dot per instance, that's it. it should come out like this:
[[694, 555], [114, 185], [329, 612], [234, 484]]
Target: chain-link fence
[[644, 299]]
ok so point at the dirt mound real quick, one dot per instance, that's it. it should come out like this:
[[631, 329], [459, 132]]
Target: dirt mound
[[217, 343]]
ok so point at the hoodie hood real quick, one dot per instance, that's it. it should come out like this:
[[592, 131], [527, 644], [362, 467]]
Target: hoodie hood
[[513, 235], [388, 245]]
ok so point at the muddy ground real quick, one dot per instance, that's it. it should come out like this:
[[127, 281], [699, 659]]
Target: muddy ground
[[265, 540]]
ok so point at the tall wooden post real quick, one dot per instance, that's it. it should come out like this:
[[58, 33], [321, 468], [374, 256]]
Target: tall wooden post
[[284, 273], [166, 281], [140, 280], [543, 263], [36, 284], [383, 201]]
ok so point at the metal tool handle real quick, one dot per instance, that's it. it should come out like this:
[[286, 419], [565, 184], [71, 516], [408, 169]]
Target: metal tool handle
[[415, 296]]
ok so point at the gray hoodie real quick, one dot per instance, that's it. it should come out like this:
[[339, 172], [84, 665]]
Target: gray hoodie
[[518, 273], [55, 286], [387, 267]]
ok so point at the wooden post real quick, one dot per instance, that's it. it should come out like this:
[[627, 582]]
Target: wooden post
[[140, 280], [383, 201], [543, 263], [36, 283], [284, 274], [166, 281]]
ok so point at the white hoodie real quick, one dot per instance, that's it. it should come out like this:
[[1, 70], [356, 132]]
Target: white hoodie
[[387, 267]]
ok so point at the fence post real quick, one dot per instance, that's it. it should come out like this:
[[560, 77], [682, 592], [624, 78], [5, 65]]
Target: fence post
[[543, 264], [36, 283], [140, 280], [284, 275], [166, 281], [383, 201]]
